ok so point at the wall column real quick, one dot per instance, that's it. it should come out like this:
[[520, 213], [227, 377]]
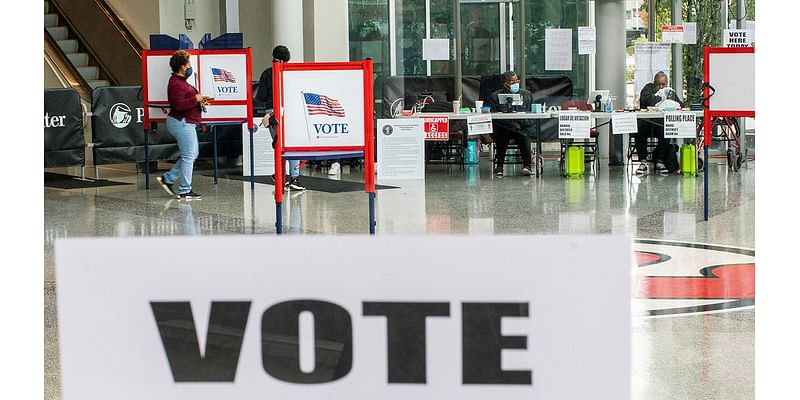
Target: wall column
[[610, 69], [287, 26]]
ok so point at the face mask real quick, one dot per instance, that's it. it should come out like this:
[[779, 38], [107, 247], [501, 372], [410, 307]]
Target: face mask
[[514, 88], [188, 72]]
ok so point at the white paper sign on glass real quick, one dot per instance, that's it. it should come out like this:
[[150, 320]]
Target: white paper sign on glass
[[751, 30], [435, 49], [401, 149], [323, 108], [587, 39], [239, 325], [558, 49], [479, 124], [649, 59], [622, 123], [263, 153], [574, 124], [680, 125]]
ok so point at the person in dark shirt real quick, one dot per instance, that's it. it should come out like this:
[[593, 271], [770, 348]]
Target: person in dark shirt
[[504, 130], [652, 94], [185, 107], [264, 95]]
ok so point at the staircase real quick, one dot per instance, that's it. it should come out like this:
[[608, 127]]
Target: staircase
[[83, 62]]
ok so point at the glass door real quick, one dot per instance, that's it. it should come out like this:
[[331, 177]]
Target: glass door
[[489, 32]]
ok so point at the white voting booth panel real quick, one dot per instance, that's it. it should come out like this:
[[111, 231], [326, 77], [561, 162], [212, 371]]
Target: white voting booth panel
[[323, 109], [732, 75], [224, 75]]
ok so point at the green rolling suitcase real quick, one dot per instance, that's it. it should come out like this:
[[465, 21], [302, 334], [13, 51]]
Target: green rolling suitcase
[[688, 160], [575, 161]]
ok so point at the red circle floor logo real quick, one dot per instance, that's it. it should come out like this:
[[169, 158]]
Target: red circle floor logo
[[684, 278]]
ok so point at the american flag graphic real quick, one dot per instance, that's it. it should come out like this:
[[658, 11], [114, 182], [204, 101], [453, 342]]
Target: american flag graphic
[[222, 75], [319, 104]]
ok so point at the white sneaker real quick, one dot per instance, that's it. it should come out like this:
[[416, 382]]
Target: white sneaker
[[335, 169], [642, 168], [661, 168]]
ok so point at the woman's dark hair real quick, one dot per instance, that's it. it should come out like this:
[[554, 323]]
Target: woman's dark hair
[[178, 59], [280, 52]]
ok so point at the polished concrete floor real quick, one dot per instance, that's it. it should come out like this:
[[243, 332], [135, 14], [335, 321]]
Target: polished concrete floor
[[685, 348]]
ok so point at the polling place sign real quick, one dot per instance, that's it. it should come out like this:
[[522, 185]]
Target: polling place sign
[[680, 125], [365, 318]]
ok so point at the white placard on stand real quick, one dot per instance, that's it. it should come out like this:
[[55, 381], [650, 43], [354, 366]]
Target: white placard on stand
[[401, 149], [622, 123], [263, 153], [558, 49], [680, 125], [435, 49], [750, 26], [479, 124], [574, 124], [219, 324], [587, 39]]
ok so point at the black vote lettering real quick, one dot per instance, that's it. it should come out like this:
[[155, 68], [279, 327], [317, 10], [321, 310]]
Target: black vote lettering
[[405, 331], [482, 343], [333, 341], [223, 341]]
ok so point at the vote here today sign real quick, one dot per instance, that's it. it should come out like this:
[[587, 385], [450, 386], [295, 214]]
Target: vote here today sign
[[362, 318]]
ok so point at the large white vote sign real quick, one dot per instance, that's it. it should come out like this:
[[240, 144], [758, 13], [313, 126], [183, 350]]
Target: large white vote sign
[[323, 108], [362, 318]]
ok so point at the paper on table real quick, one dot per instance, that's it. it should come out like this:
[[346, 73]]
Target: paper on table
[[435, 49], [558, 49], [622, 123]]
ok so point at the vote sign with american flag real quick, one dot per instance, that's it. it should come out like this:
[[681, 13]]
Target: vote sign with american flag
[[319, 104]]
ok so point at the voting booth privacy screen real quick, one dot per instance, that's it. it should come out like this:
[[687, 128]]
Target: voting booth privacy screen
[[323, 109], [225, 75], [63, 129]]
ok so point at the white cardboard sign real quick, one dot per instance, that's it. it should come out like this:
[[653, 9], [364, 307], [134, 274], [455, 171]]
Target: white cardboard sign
[[735, 38], [622, 123], [558, 49], [401, 149], [680, 125], [574, 124], [690, 32], [672, 34], [435, 49], [479, 124], [263, 153], [323, 108], [238, 325]]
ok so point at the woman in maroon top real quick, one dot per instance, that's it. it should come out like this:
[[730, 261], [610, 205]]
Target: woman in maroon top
[[185, 106]]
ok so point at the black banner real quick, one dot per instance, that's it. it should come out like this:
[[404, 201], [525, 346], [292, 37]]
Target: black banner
[[118, 131], [63, 129]]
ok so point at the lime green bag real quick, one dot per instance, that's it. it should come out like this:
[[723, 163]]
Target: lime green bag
[[575, 162]]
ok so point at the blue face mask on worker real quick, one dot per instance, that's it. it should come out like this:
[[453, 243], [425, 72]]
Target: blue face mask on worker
[[188, 72], [514, 87]]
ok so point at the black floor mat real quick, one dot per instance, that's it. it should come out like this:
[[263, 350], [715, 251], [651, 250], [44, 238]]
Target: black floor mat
[[61, 181], [310, 182]]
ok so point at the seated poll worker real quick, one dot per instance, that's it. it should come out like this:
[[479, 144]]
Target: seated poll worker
[[520, 130], [652, 95]]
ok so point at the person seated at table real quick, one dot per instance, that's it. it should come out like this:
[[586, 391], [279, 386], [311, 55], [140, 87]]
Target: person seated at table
[[504, 130], [653, 94]]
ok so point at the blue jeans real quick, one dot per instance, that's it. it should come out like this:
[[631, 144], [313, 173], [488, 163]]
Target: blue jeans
[[294, 165], [186, 135]]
